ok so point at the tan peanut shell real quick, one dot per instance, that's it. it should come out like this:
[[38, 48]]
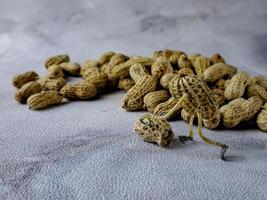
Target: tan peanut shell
[[56, 60], [137, 71], [105, 57], [237, 86], [262, 119], [174, 58], [151, 128], [152, 99], [44, 99], [218, 71], [117, 59], [260, 80], [99, 79], [160, 67], [70, 68], [27, 90], [232, 104], [165, 80], [257, 90], [217, 58], [164, 107], [123, 70], [246, 111], [185, 72], [55, 71], [52, 84], [201, 64], [184, 62], [126, 84], [81, 90], [21, 79], [133, 99], [192, 57]]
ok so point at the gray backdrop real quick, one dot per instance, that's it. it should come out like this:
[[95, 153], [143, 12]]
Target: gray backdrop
[[88, 150]]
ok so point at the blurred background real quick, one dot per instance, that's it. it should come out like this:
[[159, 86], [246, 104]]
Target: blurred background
[[32, 30]]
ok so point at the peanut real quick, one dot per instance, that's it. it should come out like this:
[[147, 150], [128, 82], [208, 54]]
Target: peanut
[[21, 79], [70, 68], [218, 71], [260, 80], [89, 64], [27, 90], [160, 67], [246, 111], [81, 90], [257, 90], [237, 86], [165, 80], [184, 62], [137, 71], [133, 99], [56, 60], [217, 58], [98, 78], [200, 65], [152, 99], [44, 99], [105, 58], [52, 84], [192, 57], [123, 70], [126, 84], [185, 72], [262, 119], [163, 108], [54, 71]]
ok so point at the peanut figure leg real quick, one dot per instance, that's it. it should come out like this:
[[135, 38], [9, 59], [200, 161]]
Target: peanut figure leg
[[184, 138], [207, 140]]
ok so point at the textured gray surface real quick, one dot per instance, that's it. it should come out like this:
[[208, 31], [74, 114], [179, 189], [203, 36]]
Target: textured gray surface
[[87, 150]]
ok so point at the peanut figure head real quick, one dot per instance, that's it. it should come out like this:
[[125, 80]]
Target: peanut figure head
[[153, 129]]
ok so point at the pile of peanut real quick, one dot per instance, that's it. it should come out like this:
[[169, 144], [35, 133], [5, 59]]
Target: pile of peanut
[[146, 81]]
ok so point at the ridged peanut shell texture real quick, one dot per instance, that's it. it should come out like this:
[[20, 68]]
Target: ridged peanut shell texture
[[237, 85], [133, 99], [152, 99], [82, 90], [44, 99], [218, 71], [21, 79], [232, 116], [27, 90], [56, 60], [262, 119], [52, 84], [160, 67], [153, 129]]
